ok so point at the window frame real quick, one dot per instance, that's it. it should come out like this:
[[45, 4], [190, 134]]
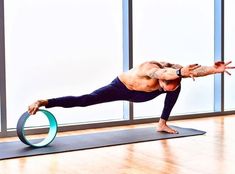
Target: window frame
[[127, 64]]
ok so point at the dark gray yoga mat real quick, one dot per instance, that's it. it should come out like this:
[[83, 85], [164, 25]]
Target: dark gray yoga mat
[[92, 140]]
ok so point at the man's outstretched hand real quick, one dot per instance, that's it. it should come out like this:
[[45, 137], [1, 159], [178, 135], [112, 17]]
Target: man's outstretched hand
[[195, 70], [187, 71], [34, 107], [221, 67]]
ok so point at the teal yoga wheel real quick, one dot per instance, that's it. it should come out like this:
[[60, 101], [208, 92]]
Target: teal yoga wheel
[[51, 134]]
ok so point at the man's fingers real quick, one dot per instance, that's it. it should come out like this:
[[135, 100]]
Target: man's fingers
[[195, 67], [230, 67], [32, 110], [228, 63], [35, 110], [228, 73], [192, 77]]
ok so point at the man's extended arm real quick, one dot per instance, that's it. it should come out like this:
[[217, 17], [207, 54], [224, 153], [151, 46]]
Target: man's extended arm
[[204, 71], [171, 73], [162, 74], [193, 70], [218, 67]]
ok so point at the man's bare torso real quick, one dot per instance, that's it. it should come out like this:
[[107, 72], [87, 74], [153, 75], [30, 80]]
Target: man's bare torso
[[137, 79]]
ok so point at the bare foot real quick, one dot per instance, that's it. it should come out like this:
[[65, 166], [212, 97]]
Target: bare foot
[[163, 127], [167, 129]]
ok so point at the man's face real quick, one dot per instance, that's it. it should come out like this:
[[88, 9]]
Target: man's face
[[169, 85]]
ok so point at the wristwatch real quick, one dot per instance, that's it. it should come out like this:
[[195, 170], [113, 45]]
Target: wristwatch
[[178, 72]]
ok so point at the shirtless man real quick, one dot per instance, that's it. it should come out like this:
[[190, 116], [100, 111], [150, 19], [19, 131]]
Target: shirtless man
[[140, 84]]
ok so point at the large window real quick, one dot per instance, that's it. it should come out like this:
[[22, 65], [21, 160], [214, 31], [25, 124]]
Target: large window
[[179, 32], [229, 54], [56, 48]]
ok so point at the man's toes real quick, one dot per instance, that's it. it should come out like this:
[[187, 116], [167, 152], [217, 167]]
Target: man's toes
[[171, 131], [174, 132]]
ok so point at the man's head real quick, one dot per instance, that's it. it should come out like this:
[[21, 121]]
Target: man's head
[[170, 85]]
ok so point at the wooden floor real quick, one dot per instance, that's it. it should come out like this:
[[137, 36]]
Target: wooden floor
[[212, 153]]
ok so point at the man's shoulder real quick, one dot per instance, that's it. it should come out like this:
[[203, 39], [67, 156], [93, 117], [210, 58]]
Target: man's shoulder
[[153, 63], [164, 64], [147, 66]]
